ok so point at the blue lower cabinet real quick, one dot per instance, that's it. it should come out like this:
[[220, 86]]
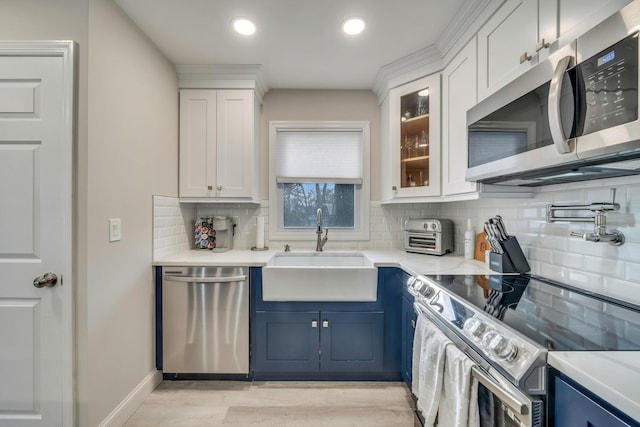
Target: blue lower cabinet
[[575, 407], [409, 319], [287, 342], [318, 342], [351, 342]]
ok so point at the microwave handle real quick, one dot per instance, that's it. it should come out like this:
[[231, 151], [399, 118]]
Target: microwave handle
[[555, 119]]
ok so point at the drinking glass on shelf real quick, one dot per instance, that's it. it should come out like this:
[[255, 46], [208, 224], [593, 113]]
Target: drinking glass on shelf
[[424, 142]]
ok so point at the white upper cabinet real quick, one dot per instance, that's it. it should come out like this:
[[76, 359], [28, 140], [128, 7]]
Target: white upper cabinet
[[577, 16], [411, 140], [459, 90], [218, 144], [512, 41]]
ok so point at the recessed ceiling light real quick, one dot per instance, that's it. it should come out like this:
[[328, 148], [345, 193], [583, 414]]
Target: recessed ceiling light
[[353, 26], [244, 26]]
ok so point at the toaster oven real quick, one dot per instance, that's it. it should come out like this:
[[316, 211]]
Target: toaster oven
[[428, 236]]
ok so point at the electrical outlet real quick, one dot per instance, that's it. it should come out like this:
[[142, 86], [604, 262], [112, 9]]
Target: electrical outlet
[[115, 230]]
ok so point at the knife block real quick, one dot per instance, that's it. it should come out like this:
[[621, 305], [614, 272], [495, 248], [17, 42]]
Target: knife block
[[512, 260]]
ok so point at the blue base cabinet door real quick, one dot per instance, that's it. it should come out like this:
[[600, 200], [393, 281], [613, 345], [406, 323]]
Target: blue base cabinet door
[[351, 342], [573, 408], [287, 341], [409, 319]]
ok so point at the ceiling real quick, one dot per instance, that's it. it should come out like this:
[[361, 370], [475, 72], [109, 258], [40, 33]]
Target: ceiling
[[298, 43]]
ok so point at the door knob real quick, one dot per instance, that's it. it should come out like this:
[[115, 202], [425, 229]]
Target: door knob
[[49, 280]]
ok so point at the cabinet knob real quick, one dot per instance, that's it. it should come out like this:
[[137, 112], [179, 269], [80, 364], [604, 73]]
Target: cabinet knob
[[209, 187], [314, 323], [394, 188], [219, 187], [325, 323], [542, 44], [525, 57]]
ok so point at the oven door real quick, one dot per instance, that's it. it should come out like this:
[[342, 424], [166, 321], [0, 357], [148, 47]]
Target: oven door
[[501, 404]]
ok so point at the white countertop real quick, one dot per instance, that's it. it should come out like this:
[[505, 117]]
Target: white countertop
[[412, 263], [612, 376]]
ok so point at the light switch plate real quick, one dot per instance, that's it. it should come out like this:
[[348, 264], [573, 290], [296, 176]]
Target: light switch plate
[[115, 229]]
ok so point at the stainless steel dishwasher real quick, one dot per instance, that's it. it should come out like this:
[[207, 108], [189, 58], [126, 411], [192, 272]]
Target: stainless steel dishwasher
[[205, 320]]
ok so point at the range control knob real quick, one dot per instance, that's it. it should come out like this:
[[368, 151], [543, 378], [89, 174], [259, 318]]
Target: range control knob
[[475, 328], [499, 346], [427, 290]]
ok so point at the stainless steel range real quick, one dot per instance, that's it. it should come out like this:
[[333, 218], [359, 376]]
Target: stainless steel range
[[508, 324]]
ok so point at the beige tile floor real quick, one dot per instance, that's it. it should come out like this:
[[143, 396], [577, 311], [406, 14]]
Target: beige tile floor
[[276, 404]]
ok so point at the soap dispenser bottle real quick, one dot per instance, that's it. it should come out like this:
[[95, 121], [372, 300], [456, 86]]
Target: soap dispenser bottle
[[469, 240]]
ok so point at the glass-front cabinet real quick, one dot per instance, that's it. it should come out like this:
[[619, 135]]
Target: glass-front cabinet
[[413, 139]]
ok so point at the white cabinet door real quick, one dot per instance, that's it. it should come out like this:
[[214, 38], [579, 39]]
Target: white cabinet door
[[235, 144], [217, 143], [197, 143], [577, 16], [459, 89], [414, 155], [511, 33]]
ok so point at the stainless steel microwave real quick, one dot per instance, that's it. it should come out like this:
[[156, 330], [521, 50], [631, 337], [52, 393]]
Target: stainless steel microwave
[[573, 117]]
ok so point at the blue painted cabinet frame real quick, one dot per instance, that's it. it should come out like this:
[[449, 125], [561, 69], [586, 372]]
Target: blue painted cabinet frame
[[349, 340], [575, 406], [409, 319]]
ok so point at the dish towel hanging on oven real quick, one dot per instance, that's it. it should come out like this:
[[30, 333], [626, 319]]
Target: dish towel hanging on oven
[[430, 372], [459, 401]]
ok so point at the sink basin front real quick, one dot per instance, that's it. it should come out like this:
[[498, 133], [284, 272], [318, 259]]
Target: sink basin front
[[319, 276]]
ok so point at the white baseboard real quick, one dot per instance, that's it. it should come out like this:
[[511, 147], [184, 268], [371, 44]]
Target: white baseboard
[[128, 406]]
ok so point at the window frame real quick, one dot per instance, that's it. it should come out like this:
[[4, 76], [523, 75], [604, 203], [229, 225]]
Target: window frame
[[362, 191]]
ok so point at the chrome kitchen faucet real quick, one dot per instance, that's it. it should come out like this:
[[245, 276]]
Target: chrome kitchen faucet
[[321, 240]]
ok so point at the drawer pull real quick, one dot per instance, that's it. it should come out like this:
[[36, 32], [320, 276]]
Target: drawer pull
[[525, 57], [325, 323], [314, 323]]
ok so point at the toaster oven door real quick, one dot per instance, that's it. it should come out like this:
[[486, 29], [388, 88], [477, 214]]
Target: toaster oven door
[[423, 242]]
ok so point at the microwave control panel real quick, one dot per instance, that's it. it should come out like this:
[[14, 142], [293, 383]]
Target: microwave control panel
[[610, 84]]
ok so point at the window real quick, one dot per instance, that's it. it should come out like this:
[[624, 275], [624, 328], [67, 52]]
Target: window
[[319, 165]]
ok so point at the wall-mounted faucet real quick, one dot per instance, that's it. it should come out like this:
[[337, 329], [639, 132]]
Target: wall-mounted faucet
[[600, 233], [321, 240]]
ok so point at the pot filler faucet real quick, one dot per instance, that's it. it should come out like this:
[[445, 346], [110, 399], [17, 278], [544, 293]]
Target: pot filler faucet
[[599, 220], [321, 240]]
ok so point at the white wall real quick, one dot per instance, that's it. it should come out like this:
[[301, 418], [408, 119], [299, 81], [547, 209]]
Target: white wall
[[320, 105], [599, 267], [132, 154]]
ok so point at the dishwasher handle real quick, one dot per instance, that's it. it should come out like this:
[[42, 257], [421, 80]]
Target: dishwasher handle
[[190, 279]]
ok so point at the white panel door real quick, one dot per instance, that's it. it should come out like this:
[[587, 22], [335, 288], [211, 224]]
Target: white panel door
[[35, 236], [510, 33], [197, 143], [235, 148], [459, 88]]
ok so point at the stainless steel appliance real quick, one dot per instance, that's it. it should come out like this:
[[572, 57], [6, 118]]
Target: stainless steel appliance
[[573, 117], [507, 325], [205, 320], [428, 236]]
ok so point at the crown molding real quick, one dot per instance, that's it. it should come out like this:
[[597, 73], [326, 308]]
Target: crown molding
[[461, 23], [418, 64], [432, 58], [222, 77]]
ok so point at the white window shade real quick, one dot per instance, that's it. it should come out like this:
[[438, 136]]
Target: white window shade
[[319, 156]]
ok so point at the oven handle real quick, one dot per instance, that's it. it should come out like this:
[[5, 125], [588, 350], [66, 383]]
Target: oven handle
[[507, 398]]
